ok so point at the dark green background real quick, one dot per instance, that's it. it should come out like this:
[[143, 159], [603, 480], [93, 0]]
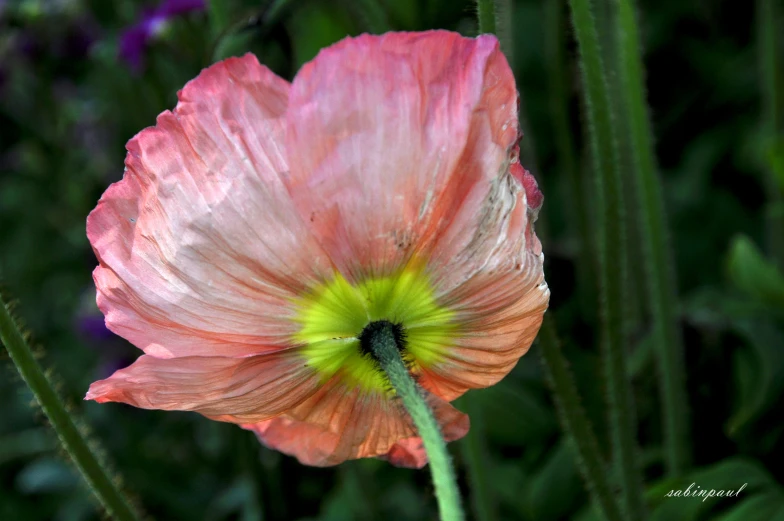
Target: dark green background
[[67, 109]]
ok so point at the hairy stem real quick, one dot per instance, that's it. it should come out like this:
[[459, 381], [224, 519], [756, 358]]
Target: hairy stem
[[475, 455], [576, 424], [768, 18], [75, 444], [485, 10], [658, 262], [612, 252], [385, 349]]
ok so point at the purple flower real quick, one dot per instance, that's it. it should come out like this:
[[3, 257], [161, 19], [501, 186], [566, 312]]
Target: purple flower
[[94, 327], [134, 41]]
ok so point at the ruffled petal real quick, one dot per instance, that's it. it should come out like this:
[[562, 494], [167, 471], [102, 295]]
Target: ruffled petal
[[492, 279], [409, 453], [200, 249], [388, 135], [337, 424], [236, 390]]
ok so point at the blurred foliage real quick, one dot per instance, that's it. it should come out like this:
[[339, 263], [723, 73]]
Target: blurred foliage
[[68, 104]]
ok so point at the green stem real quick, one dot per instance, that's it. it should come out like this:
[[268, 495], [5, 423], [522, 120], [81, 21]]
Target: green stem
[[382, 342], [575, 423], [74, 443], [504, 17], [633, 309], [475, 455], [658, 262], [580, 214], [612, 252], [485, 10], [773, 122]]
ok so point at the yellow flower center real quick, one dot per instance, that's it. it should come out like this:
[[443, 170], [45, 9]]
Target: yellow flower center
[[334, 314]]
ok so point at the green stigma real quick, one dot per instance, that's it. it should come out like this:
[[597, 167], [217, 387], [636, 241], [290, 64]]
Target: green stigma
[[333, 316]]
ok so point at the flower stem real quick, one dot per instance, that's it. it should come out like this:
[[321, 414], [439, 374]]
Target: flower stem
[[74, 443], [659, 276], [612, 252], [475, 456], [485, 10], [579, 212], [385, 349], [575, 423], [768, 18]]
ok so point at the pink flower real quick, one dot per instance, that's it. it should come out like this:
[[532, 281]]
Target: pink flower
[[261, 225]]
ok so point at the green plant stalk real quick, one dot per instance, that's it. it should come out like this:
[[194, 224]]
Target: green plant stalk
[[475, 455], [580, 216], [773, 121], [576, 424], [485, 11], [634, 308], [612, 251], [385, 350], [74, 443], [658, 262], [504, 17]]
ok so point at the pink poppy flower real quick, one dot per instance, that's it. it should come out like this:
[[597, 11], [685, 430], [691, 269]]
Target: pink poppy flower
[[260, 227]]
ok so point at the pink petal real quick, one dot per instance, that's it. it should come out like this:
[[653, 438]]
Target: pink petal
[[387, 137], [200, 249], [227, 389], [499, 314], [493, 280], [409, 453], [337, 424]]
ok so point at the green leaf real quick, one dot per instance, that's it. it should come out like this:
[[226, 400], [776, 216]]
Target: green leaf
[[753, 274], [46, 475], [761, 507], [730, 474], [25, 444], [760, 371], [550, 502]]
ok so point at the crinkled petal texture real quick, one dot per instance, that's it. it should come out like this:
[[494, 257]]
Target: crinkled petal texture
[[201, 253], [411, 154], [386, 151]]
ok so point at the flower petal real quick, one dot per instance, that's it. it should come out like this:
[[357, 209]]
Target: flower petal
[[409, 453], [494, 282], [227, 389], [386, 136], [200, 249], [337, 424]]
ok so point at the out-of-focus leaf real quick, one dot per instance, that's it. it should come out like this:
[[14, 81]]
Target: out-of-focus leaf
[[549, 502], [237, 499], [760, 374], [730, 474], [753, 274], [46, 475], [234, 44], [510, 480], [24, 444], [761, 507], [514, 415], [220, 14], [314, 28], [78, 507]]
